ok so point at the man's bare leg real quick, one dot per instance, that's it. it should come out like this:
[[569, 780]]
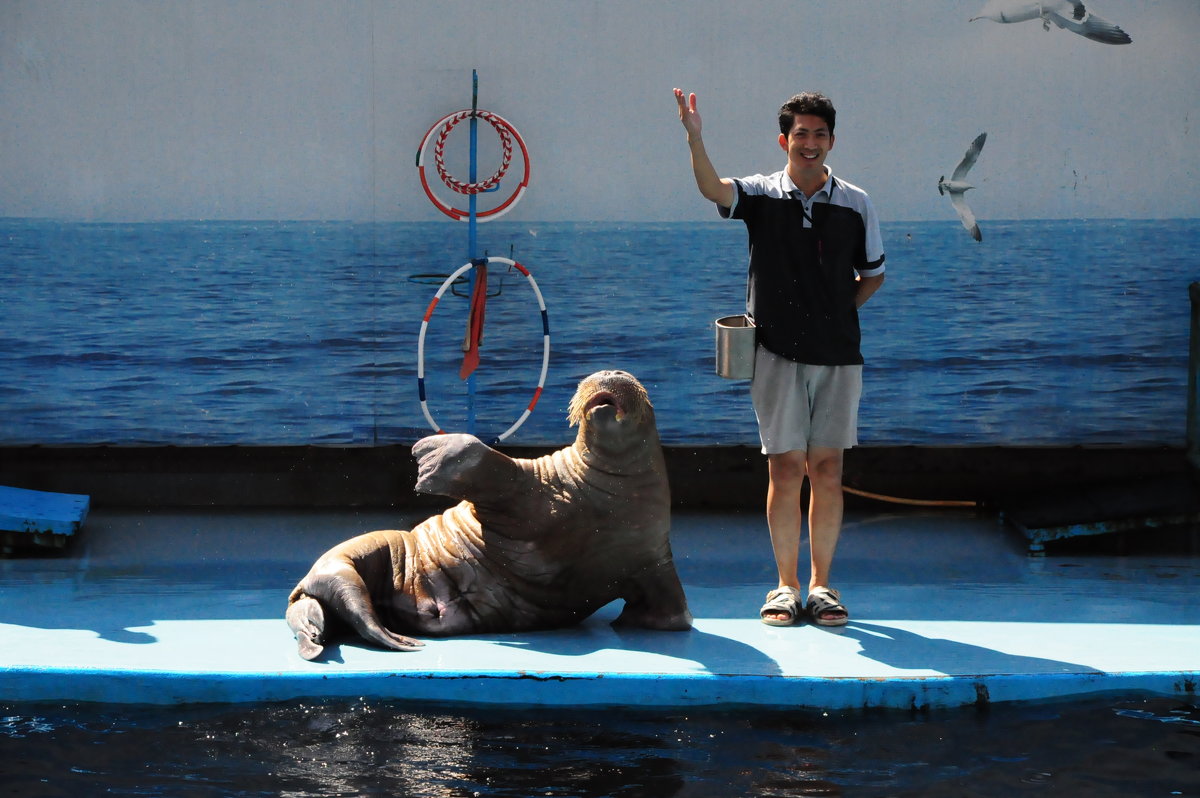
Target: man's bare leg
[[784, 516], [824, 467]]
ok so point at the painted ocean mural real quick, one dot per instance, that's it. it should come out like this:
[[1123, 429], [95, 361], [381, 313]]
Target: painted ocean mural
[[294, 333]]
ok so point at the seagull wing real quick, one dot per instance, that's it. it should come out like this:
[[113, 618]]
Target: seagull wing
[[1010, 10], [965, 215], [969, 159], [1091, 26]]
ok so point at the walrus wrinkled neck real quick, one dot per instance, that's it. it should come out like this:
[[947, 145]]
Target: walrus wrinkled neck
[[632, 450]]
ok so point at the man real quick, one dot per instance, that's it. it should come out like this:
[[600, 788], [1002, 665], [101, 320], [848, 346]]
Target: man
[[815, 257]]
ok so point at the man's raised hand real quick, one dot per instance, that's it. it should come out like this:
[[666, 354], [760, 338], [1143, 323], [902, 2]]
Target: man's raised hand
[[688, 114]]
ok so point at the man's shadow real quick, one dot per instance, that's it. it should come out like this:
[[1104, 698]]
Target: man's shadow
[[906, 650]]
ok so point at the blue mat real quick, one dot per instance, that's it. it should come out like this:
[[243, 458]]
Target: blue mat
[[39, 518]]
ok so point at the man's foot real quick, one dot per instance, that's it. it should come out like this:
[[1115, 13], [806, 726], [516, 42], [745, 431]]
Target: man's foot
[[782, 607], [825, 607]]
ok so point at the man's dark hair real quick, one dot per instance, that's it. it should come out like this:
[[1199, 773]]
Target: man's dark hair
[[809, 102]]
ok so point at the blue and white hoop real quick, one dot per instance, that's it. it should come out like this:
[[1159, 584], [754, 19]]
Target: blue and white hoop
[[537, 394]]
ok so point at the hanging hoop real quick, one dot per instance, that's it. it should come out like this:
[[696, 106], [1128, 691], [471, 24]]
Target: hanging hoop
[[537, 394], [507, 134]]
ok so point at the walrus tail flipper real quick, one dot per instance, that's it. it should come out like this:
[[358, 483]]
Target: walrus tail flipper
[[306, 616], [370, 629], [345, 594]]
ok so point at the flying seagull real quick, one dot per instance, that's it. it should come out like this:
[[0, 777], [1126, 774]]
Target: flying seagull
[[1067, 14], [956, 186]]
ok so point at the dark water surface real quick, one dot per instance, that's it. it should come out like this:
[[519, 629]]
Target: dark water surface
[[1099, 746]]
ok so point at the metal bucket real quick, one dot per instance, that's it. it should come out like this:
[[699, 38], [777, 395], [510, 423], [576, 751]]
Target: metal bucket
[[735, 347]]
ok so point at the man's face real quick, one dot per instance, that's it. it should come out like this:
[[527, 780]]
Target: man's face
[[808, 142]]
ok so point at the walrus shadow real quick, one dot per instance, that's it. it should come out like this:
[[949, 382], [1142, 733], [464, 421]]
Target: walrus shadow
[[907, 650], [715, 654]]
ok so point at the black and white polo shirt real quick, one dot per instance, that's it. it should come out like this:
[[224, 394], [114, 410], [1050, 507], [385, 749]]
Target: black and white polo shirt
[[804, 255]]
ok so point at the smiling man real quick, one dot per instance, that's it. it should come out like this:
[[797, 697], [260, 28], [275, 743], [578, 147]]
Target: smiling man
[[816, 256]]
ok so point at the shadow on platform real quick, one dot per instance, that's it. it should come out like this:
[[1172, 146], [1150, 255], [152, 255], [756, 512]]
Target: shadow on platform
[[906, 650]]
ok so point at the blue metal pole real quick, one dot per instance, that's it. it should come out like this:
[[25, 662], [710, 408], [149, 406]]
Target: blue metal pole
[[472, 233], [1193, 402]]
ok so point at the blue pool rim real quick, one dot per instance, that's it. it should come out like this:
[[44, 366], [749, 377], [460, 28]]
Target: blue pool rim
[[599, 690]]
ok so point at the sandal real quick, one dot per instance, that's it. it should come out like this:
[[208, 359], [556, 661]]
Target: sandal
[[781, 600], [824, 601]]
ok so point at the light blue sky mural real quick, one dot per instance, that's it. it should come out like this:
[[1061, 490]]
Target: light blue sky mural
[[125, 110]]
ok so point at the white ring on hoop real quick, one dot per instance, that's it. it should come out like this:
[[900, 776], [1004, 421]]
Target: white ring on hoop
[[537, 394], [461, 215]]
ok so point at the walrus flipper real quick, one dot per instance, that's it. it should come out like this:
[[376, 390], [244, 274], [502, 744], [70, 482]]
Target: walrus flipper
[[306, 616], [463, 467], [655, 600], [351, 600], [338, 590]]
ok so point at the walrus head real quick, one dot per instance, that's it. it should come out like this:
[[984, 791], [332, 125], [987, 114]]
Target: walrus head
[[613, 412]]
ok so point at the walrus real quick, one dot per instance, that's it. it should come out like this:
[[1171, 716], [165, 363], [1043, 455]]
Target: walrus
[[533, 544]]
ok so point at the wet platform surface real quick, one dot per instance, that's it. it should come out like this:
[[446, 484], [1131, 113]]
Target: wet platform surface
[[175, 606]]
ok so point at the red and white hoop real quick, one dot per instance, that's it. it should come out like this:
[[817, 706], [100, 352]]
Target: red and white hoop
[[541, 383], [507, 134]]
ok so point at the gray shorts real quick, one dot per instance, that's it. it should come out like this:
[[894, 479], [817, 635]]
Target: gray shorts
[[801, 406]]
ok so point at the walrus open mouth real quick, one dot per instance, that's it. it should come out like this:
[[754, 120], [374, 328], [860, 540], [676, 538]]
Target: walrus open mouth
[[602, 399]]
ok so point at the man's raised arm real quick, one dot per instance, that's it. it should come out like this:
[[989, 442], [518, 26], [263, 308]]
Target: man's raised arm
[[712, 186]]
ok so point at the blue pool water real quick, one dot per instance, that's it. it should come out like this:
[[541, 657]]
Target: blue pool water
[[1049, 332], [1106, 747]]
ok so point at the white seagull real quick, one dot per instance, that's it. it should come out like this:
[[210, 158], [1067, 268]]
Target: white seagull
[[956, 186], [1067, 14]]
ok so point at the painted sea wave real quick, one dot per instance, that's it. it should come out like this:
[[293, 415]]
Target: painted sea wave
[[256, 333]]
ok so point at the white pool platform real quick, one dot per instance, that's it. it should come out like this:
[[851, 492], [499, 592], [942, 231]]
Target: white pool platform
[[181, 606]]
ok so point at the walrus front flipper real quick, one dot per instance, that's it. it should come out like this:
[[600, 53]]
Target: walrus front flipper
[[463, 467], [656, 601]]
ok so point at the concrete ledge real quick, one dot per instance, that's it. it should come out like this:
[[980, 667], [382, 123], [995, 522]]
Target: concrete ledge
[[182, 606], [713, 477], [593, 690]]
